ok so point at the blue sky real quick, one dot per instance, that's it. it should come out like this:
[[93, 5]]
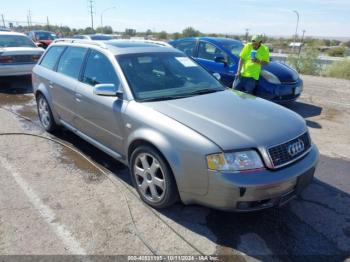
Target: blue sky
[[272, 17]]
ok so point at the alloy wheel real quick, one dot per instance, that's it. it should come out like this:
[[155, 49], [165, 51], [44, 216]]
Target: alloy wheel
[[44, 113], [149, 177]]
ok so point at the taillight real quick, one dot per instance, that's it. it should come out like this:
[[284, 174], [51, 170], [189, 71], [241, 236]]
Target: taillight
[[35, 58], [6, 59], [33, 78]]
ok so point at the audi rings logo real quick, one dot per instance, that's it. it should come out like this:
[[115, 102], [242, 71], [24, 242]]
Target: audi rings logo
[[296, 148]]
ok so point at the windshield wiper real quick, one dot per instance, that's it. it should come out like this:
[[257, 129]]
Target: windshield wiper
[[161, 98], [198, 92], [204, 91]]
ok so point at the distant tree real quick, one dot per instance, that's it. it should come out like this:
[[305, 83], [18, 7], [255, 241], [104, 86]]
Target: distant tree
[[65, 31], [337, 51], [307, 63], [130, 32], [149, 32], [163, 35], [347, 44], [104, 30], [89, 30], [327, 42], [176, 35], [107, 30], [334, 42], [190, 32]]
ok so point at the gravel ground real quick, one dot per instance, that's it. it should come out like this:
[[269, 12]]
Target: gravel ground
[[53, 201]]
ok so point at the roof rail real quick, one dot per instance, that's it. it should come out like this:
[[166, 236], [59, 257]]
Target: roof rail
[[161, 43], [80, 41]]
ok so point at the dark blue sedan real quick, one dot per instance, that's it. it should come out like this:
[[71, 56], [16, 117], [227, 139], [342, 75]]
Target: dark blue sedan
[[278, 82]]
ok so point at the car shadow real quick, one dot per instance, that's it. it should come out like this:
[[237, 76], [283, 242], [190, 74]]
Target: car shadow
[[285, 233], [306, 111], [16, 85]]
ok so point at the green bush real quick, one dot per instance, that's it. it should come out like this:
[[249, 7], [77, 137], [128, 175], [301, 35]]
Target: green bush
[[336, 51], [306, 63], [340, 69]]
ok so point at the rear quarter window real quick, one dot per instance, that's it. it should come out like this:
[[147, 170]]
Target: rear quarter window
[[51, 57], [187, 47], [71, 61]]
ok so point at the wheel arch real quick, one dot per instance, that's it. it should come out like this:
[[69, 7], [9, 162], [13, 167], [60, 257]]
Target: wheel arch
[[42, 90], [161, 145]]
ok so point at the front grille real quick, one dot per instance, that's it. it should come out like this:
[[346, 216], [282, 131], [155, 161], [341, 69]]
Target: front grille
[[290, 83], [290, 151], [23, 59]]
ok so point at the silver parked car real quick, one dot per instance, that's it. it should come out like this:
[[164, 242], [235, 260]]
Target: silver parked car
[[18, 54], [182, 134]]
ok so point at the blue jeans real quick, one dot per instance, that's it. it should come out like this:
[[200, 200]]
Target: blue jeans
[[245, 84]]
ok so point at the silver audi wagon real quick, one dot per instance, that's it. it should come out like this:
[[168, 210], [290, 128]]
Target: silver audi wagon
[[181, 133]]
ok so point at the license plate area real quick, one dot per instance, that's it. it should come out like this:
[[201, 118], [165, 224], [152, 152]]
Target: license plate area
[[297, 90]]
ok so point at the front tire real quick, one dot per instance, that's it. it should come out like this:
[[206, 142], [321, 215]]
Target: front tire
[[153, 178], [45, 114]]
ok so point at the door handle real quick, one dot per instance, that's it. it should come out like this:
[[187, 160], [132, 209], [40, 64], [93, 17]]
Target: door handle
[[78, 97]]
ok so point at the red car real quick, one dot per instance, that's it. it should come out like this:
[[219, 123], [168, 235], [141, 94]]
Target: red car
[[42, 38]]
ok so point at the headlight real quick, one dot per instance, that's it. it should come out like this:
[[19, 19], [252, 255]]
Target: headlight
[[236, 161], [269, 77]]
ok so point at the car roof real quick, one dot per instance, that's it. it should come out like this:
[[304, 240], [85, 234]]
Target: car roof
[[11, 33], [120, 47], [42, 31], [217, 40]]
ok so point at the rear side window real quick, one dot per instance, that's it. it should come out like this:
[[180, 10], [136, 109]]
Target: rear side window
[[71, 61], [99, 70], [209, 52], [187, 47], [51, 57]]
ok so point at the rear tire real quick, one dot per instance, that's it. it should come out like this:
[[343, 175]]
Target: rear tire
[[45, 114], [152, 177]]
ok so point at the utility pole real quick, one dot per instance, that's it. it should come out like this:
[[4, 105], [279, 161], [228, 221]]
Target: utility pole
[[3, 20], [301, 44], [296, 29], [246, 34], [29, 18], [28, 23], [48, 23], [91, 10]]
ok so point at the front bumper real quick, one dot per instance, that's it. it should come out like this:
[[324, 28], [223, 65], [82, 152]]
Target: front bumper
[[16, 69], [285, 92], [255, 191]]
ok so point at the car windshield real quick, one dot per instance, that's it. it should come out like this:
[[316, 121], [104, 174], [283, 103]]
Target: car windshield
[[15, 41], [234, 47], [45, 36], [163, 76], [101, 37]]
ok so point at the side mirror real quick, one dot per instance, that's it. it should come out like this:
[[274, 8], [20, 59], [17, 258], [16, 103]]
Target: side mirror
[[220, 59], [217, 76], [107, 90]]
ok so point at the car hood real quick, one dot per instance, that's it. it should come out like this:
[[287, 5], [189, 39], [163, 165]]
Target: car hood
[[20, 50], [234, 120], [284, 73]]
